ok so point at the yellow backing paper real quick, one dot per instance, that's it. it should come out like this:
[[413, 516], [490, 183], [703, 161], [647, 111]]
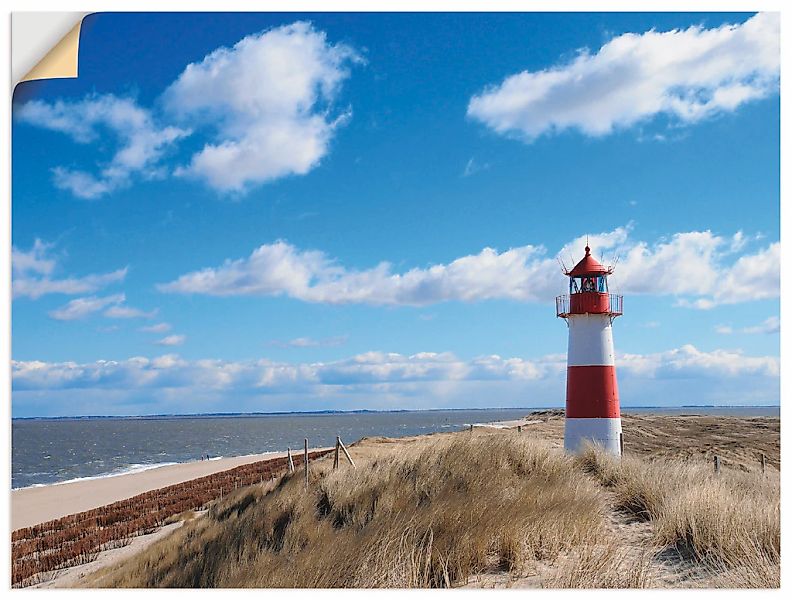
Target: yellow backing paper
[[61, 61]]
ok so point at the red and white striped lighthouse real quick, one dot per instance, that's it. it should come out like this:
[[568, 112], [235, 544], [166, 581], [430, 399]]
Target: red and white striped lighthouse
[[592, 401]]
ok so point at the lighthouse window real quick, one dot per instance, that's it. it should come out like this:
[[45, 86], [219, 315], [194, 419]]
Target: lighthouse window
[[588, 284]]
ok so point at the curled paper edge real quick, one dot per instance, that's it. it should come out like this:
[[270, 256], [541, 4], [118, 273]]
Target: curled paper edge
[[62, 60]]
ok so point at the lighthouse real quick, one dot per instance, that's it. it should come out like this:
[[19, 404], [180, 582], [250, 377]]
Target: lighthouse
[[592, 397]]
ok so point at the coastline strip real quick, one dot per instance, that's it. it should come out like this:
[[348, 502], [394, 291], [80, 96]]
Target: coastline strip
[[78, 538], [34, 505]]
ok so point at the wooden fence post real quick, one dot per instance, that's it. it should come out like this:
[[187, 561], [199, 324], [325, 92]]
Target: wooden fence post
[[306, 463], [346, 453], [763, 460], [621, 444], [471, 428], [291, 461], [337, 446], [519, 428], [716, 461]]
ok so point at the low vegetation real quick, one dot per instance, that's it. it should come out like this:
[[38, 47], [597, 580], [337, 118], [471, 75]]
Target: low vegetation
[[429, 517], [436, 514], [727, 523]]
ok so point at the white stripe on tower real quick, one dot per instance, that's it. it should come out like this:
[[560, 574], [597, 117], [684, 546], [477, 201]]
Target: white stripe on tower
[[590, 340]]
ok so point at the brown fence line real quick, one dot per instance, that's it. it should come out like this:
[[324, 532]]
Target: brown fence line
[[77, 539]]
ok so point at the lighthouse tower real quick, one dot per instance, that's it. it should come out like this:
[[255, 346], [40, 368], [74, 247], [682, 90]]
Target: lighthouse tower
[[592, 401]]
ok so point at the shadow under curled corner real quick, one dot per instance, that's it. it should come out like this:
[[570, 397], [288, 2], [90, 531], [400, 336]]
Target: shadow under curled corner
[[61, 61]]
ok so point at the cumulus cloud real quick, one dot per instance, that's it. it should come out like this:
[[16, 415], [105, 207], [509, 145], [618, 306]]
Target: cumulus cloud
[[172, 340], [688, 361], [371, 368], [699, 267], [282, 269], [171, 384], [686, 75], [33, 274], [141, 143], [269, 99]]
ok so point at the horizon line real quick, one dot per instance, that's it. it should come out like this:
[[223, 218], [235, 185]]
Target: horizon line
[[371, 410]]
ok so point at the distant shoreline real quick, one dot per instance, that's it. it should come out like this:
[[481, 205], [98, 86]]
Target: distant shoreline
[[373, 411]]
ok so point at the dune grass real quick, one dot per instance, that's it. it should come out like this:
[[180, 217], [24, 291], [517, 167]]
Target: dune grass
[[463, 505], [727, 522], [426, 518]]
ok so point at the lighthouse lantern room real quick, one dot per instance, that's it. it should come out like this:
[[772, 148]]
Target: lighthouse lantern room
[[592, 399]]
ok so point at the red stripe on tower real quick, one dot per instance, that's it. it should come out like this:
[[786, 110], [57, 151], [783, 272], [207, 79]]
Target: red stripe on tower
[[592, 393]]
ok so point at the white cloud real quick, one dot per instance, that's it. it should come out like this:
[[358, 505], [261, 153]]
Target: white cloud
[[34, 261], [157, 328], [80, 308], [308, 342], [128, 312], [371, 369], [769, 325], [698, 267], [33, 275], [170, 384], [113, 307], [35, 287], [282, 269], [172, 340], [141, 143], [688, 361], [686, 75], [473, 166], [269, 99]]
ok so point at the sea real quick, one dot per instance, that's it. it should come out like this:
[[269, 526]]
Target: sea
[[47, 451]]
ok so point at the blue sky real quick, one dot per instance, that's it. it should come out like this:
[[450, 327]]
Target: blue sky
[[253, 212]]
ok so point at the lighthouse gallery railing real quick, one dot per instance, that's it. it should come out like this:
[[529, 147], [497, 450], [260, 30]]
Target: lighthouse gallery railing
[[615, 304]]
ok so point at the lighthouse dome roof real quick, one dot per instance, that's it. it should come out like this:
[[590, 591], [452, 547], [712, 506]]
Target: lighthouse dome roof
[[588, 266]]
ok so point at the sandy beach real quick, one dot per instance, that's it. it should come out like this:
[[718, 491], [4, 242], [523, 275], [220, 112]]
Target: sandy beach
[[33, 505]]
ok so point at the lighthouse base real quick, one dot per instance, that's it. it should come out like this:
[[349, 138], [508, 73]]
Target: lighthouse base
[[603, 432]]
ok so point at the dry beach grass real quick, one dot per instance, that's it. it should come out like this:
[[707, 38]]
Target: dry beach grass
[[491, 508]]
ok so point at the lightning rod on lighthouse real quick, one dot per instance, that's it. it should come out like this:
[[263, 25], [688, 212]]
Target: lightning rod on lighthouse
[[592, 399]]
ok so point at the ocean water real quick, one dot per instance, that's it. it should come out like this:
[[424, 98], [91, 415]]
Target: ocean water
[[47, 451]]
